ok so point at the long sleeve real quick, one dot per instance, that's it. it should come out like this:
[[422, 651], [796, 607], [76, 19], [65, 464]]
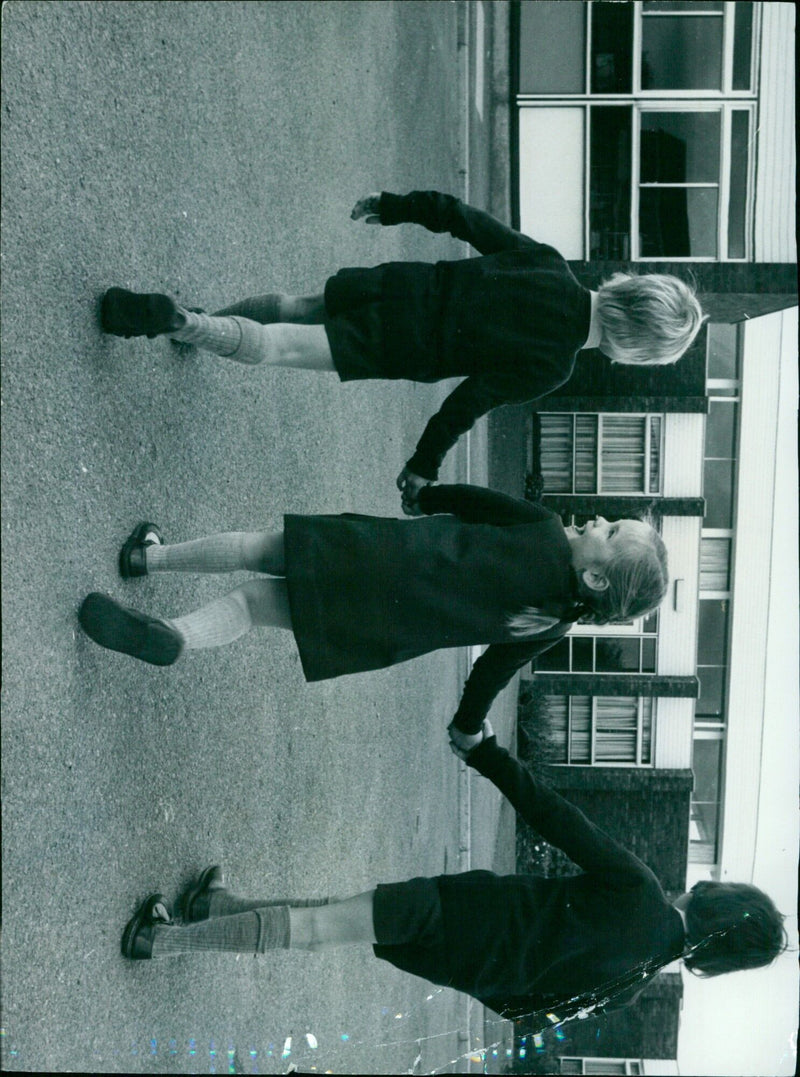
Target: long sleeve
[[559, 822], [477, 505], [492, 672], [471, 399], [444, 213]]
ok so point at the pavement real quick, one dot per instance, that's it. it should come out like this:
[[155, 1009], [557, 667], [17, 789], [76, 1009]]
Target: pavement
[[214, 150]]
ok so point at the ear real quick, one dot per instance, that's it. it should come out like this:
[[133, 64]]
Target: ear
[[594, 579]]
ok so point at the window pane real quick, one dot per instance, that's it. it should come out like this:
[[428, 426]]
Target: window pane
[[557, 709], [715, 556], [654, 479], [742, 46], [680, 147], [580, 729], [556, 453], [555, 659], [681, 53], [723, 351], [616, 654], [678, 222], [586, 454], [711, 702], [612, 48], [648, 656], [737, 209], [707, 766], [721, 430], [616, 723], [682, 5], [712, 632], [610, 182], [552, 47], [650, 623], [582, 654], [623, 461], [718, 492], [647, 731]]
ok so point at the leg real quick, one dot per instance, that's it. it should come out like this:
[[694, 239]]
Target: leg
[[278, 307], [339, 924], [303, 347], [269, 927], [161, 642], [229, 551]]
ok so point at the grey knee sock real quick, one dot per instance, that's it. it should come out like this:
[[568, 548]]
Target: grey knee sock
[[220, 622], [252, 932], [264, 309], [222, 902]]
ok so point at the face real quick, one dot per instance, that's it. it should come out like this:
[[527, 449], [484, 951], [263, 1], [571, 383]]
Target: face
[[597, 541]]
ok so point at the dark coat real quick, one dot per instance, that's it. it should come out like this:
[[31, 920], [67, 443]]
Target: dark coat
[[368, 592], [511, 321], [522, 943]]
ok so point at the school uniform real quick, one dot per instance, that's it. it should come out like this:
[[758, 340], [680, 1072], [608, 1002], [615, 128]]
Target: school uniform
[[511, 321], [367, 592], [523, 943]]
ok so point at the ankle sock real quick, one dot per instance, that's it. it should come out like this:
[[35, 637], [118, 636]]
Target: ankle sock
[[222, 621], [252, 932]]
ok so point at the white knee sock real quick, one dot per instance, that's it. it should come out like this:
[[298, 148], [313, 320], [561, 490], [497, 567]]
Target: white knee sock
[[221, 621], [233, 337]]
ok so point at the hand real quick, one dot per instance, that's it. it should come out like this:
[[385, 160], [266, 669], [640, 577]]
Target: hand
[[367, 207], [461, 744], [410, 485]]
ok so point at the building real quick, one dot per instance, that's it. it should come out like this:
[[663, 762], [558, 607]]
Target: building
[[674, 129]]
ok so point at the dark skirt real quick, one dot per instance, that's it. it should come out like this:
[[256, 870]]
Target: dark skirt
[[356, 309]]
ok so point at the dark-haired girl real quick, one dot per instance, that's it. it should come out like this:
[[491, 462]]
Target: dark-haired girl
[[520, 943]]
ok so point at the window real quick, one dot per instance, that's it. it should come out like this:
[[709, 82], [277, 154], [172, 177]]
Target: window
[[627, 1067], [601, 454], [578, 653], [602, 730], [666, 92]]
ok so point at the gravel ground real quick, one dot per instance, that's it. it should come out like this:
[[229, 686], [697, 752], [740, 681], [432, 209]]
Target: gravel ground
[[212, 150]]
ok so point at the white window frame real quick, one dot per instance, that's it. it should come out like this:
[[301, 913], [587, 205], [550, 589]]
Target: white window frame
[[724, 101], [600, 417], [593, 761]]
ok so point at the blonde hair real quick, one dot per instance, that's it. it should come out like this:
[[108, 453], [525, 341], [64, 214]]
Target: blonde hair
[[637, 575], [650, 319]]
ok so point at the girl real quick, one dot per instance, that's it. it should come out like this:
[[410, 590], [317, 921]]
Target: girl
[[520, 943], [364, 592], [511, 321]]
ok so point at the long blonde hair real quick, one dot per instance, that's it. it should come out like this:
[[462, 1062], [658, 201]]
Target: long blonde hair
[[637, 575]]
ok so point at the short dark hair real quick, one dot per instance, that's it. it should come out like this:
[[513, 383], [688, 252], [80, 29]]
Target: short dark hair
[[731, 926]]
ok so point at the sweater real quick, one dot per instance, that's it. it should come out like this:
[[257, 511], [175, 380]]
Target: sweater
[[368, 592], [512, 320], [524, 943]]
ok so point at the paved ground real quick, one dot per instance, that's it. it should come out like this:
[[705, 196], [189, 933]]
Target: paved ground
[[212, 150]]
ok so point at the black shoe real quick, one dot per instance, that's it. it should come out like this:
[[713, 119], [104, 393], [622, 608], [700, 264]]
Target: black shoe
[[194, 902], [137, 938], [132, 558], [138, 314], [121, 629]]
